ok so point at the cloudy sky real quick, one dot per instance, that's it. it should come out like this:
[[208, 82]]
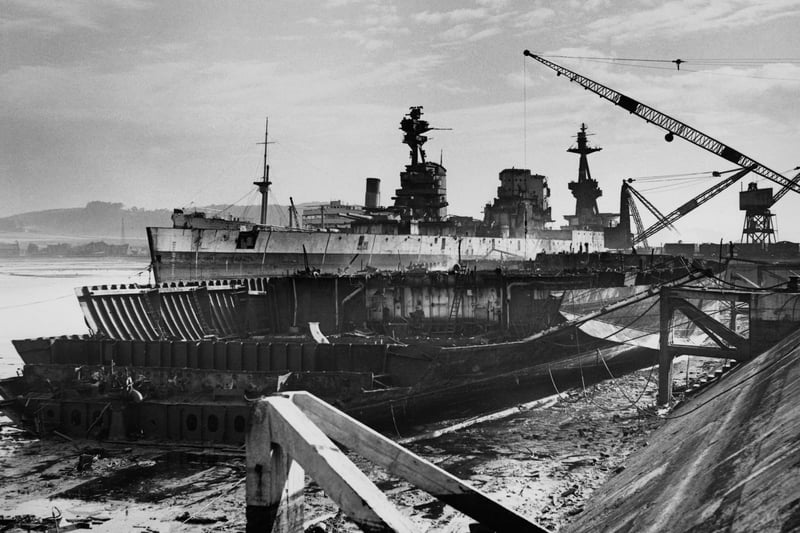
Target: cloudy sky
[[162, 104]]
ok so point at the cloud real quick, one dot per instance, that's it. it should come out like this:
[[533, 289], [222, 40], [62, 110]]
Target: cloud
[[379, 15], [456, 87], [333, 4], [533, 18], [161, 129], [588, 5], [372, 28], [493, 4], [148, 114], [484, 34], [679, 17], [458, 32], [748, 112], [163, 93], [455, 16], [53, 17], [366, 39]]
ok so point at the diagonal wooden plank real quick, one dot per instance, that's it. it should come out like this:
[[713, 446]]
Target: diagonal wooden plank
[[702, 326], [705, 322], [384, 452], [709, 351], [341, 480]]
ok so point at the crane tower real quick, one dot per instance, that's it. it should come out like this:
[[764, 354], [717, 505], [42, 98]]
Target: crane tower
[[758, 227]]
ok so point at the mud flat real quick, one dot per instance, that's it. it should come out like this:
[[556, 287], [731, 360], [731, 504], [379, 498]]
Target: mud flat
[[543, 462]]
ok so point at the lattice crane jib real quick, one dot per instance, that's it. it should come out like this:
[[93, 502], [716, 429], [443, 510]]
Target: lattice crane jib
[[671, 125]]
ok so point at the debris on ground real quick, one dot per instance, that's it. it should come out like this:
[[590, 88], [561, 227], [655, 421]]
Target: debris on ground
[[544, 463]]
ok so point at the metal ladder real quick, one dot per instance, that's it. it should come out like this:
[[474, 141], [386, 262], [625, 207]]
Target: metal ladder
[[459, 291]]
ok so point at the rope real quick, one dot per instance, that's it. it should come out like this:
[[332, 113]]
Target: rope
[[394, 421], [586, 397], [634, 403], [621, 328], [747, 287], [613, 378], [524, 112], [595, 343], [553, 381]]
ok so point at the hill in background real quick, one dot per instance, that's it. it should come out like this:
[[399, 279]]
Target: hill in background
[[111, 222]]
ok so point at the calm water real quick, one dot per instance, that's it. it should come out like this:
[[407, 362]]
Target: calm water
[[37, 297]]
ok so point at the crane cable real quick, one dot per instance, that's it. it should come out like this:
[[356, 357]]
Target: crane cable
[[713, 62], [698, 60]]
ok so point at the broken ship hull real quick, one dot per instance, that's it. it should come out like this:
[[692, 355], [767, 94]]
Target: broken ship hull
[[199, 391], [179, 361]]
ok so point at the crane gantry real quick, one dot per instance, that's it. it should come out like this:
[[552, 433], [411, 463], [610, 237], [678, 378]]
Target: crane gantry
[[675, 127]]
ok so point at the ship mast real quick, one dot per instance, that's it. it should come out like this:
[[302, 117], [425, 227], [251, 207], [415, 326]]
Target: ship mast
[[263, 185], [586, 190]]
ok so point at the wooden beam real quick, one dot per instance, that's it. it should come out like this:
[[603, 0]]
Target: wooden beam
[[737, 295], [665, 355], [274, 483], [341, 480], [744, 278], [709, 351], [713, 328], [401, 462], [700, 324]]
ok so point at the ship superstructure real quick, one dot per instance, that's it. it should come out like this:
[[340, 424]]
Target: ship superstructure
[[422, 194], [586, 190], [414, 232], [521, 205]]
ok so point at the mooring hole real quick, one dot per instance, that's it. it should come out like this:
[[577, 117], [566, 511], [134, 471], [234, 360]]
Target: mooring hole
[[213, 423]]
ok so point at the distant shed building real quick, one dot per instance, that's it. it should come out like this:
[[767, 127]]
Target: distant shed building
[[330, 215], [9, 249]]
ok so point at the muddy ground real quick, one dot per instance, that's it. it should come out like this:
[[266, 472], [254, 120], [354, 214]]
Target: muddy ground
[[544, 463]]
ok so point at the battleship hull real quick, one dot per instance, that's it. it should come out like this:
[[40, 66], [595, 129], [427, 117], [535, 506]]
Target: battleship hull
[[206, 254], [200, 391], [179, 361]]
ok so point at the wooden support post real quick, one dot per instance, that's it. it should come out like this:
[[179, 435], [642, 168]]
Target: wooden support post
[[401, 462], [665, 353], [274, 482], [293, 427], [277, 420]]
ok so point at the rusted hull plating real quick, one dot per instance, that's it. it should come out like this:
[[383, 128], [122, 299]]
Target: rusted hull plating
[[179, 360], [196, 391], [179, 254]]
